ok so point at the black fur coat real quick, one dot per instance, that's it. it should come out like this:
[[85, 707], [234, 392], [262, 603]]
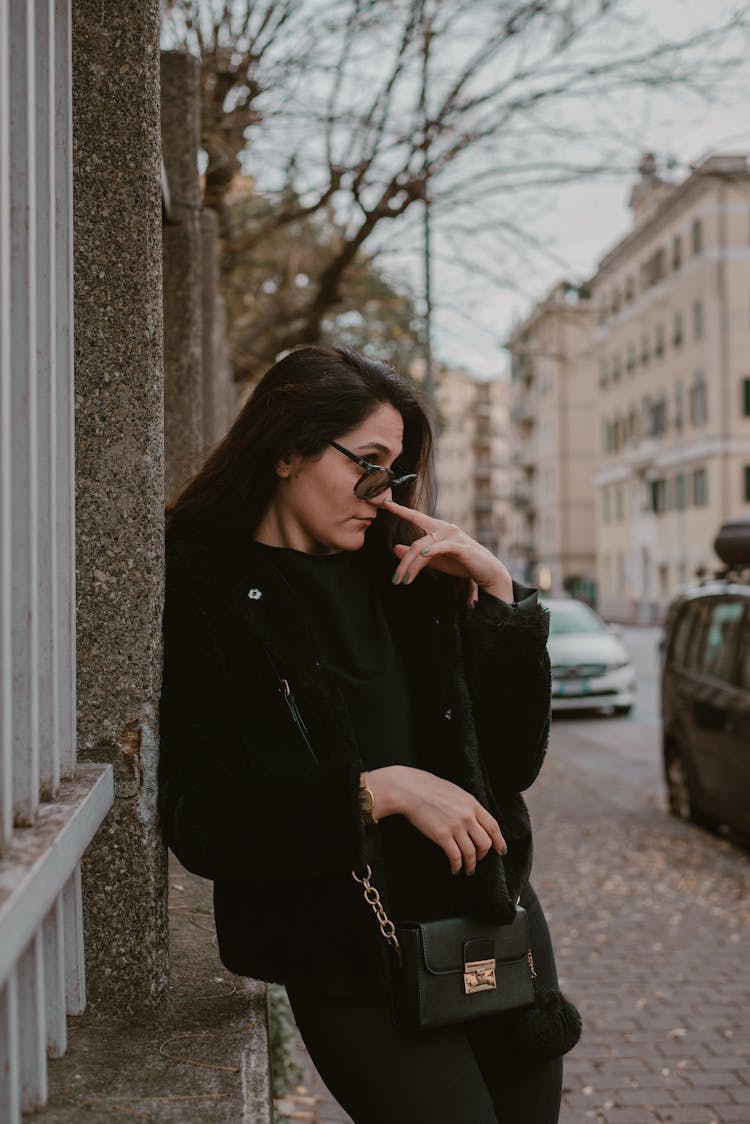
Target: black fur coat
[[243, 803]]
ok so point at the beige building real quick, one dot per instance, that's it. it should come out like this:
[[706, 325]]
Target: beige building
[[672, 338], [553, 429], [473, 456]]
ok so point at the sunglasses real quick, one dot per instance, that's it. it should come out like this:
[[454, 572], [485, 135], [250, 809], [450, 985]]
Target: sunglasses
[[376, 478]]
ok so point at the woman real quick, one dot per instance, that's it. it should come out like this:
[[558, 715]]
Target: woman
[[420, 672]]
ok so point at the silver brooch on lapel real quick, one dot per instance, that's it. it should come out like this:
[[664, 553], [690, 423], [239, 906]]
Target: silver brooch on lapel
[[254, 594]]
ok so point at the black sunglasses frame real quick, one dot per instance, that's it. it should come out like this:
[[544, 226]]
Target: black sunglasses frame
[[393, 480]]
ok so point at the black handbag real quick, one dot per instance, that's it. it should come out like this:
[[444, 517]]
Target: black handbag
[[454, 969]]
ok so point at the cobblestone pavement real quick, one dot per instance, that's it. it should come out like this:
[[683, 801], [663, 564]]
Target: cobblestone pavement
[[650, 919]]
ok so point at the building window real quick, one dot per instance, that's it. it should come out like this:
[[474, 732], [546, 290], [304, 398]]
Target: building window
[[659, 345], [697, 236], [658, 495], [629, 289], [603, 373], [653, 269], [620, 573], [645, 349], [698, 320], [619, 435], [633, 426], [678, 405], [676, 252], [616, 367], [700, 487], [615, 301], [747, 483], [606, 506], [677, 334], [631, 357], [668, 494], [619, 510], [679, 491], [606, 436], [659, 417], [746, 397], [698, 410]]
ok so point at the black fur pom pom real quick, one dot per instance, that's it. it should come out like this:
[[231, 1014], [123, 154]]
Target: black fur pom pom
[[550, 1027]]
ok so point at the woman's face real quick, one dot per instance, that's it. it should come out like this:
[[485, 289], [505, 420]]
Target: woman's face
[[314, 508]]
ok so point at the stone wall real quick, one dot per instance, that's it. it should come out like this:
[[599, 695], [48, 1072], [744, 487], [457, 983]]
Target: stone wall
[[120, 486]]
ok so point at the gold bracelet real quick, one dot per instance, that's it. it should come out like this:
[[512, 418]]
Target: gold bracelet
[[366, 801]]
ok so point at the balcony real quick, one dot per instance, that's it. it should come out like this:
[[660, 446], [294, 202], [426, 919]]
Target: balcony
[[522, 498], [525, 456], [522, 368], [523, 412]]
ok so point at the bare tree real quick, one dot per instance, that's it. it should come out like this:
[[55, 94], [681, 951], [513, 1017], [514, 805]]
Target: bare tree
[[522, 93], [246, 49]]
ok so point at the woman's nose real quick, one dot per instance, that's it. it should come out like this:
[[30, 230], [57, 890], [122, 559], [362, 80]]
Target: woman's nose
[[378, 501]]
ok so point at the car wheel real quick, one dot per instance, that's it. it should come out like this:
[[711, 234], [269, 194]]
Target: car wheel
[[681, 793], [623, 710]]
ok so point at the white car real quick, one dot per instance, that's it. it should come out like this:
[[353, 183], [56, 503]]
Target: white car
[[591, 668]]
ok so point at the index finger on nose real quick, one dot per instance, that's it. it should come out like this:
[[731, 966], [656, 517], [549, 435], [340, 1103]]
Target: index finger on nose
[[411, 515]]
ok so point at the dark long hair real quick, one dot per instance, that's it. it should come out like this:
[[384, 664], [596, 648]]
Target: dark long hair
[[310, 396]]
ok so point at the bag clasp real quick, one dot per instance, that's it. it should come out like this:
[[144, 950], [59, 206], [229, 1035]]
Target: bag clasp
[[479, 975]]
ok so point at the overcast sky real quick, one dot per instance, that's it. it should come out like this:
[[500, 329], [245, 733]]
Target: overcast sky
[[577, 225]]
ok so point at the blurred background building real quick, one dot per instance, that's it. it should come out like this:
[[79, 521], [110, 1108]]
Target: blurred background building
[[672, 343], [630, 401], [473, 461], [553, 428]]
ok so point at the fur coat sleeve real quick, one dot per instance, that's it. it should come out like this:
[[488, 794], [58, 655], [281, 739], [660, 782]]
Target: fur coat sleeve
[[229, 809], [508, 674]]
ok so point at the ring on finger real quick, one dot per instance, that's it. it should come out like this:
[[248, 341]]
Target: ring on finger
[[434, 535]]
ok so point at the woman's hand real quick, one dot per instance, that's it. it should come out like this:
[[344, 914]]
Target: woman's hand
[[444, 546], [441, 810]]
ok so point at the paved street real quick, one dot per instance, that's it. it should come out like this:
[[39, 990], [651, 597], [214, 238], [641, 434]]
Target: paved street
[[650, 919]]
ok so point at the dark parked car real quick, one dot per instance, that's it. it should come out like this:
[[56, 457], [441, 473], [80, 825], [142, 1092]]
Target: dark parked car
[[705, 697]]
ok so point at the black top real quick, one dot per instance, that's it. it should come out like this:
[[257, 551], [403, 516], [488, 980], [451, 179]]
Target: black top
[[358, 650]]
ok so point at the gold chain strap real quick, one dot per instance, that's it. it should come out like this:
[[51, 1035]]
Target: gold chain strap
[[372, 897], [387, 928]]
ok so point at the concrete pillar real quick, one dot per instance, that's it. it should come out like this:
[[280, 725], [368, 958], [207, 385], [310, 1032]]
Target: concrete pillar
[[120, 486], [218, 388], [183, 265]]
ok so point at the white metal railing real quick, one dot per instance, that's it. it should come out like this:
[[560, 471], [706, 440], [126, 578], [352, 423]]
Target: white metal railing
[[48, 811]]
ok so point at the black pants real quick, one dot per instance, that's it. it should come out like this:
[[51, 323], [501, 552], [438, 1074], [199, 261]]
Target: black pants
[[450, 1075]]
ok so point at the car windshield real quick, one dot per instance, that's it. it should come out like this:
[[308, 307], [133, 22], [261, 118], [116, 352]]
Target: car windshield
[[573, 617]]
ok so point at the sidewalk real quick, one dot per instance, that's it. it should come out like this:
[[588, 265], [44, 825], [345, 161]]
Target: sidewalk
[[205, 1058]]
